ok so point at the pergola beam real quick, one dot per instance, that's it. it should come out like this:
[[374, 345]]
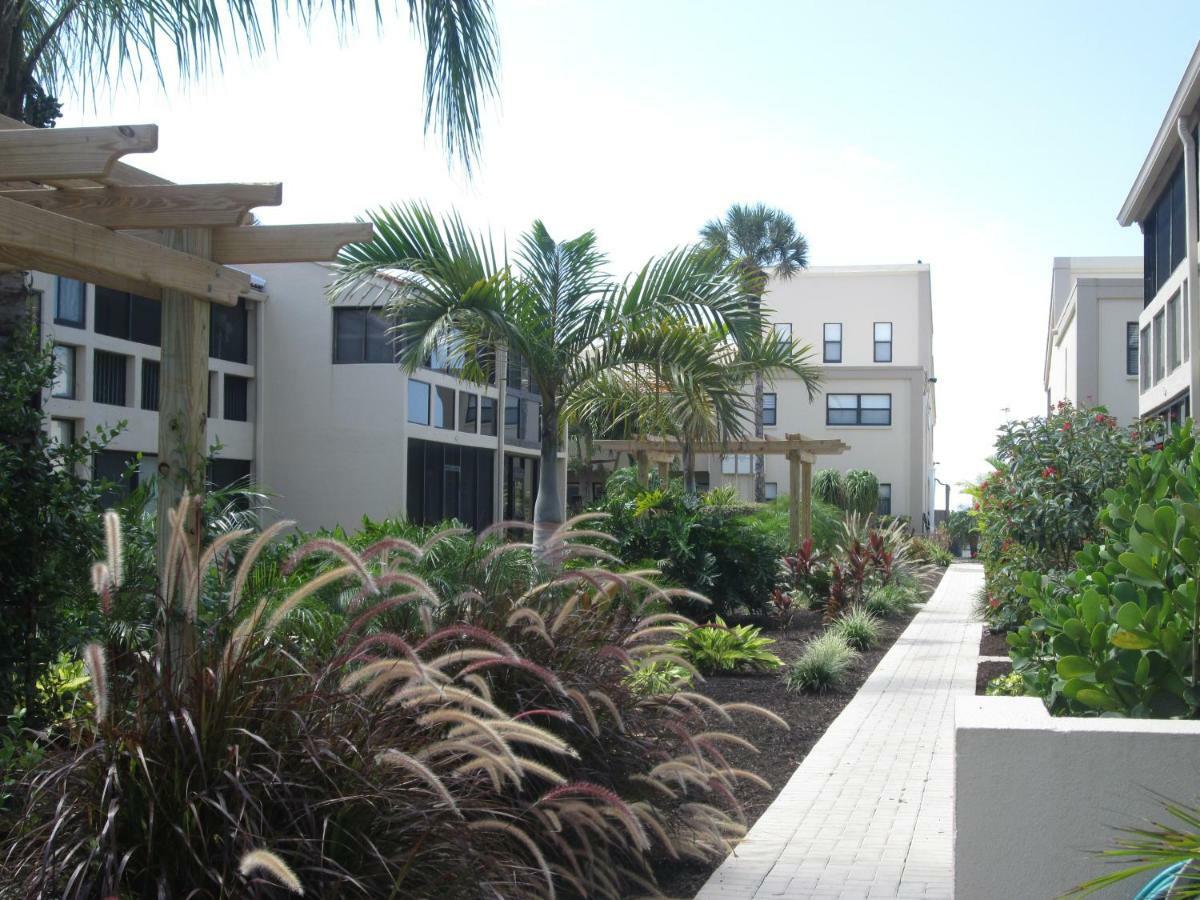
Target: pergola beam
[[154, 206], [26, 231], [286, 243], [49, 154]]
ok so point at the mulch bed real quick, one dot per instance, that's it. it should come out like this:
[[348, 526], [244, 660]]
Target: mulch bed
[[780, 752], [994, 643]]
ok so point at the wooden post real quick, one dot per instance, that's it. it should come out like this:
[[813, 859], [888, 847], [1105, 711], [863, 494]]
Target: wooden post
[[806, 490], [182, 420], [793, 499], [664, 474], [643, 468]]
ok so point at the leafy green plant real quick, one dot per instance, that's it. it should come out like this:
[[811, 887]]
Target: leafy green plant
[[658, 677], [716, 647], [929, 551], [722, 495], [1010, 685], [861, 492], [1119, 633], [829, 487], [822, 666], [895, 599], [859, 628]]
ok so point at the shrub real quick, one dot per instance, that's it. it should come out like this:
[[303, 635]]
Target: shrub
[[894, 599], [858, 628], [717, 647], [822, 666], [659, 677], [431, 760], [828, 487], [1042, 502], [1010, 685], [1119, 634], [928, 550], [861, 492]]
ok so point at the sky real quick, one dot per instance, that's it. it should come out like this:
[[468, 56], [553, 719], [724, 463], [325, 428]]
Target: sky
[[983, 139]]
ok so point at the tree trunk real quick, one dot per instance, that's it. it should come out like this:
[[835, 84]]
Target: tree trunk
[[689, 468], [548, 509], [760, 479]]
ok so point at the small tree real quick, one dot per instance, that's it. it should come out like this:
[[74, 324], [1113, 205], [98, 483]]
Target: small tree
[[49, 529], [862, 492]]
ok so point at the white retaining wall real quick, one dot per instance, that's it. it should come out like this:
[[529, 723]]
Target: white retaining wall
[[1034, 793]]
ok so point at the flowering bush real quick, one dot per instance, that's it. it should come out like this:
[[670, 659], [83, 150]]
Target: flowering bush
[[1042, 501]]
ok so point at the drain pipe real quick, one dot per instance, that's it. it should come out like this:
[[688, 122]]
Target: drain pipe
[[1185, 126]]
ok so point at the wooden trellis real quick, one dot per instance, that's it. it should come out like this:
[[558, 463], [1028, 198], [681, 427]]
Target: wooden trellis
[[800, 451], [69, 207]]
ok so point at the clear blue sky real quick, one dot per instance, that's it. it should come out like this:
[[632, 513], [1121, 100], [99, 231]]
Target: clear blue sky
[[983, 139]]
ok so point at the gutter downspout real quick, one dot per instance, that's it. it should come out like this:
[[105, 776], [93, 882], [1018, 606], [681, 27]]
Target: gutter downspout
[[501, 399], [1184, 125]]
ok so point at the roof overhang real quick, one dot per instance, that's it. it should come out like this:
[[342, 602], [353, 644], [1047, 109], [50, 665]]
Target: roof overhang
[[1165, 149]]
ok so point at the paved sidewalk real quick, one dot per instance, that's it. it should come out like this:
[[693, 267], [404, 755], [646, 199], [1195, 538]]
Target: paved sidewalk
[[869, 813]]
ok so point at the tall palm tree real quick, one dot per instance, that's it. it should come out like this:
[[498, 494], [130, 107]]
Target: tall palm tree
[[553, 305], [755, 239], [695, 395]]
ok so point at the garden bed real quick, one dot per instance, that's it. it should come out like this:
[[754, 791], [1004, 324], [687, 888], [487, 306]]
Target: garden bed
[[780, 752]]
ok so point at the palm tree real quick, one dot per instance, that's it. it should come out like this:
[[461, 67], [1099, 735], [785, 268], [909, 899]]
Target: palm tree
[[553, 305], [754, 239], [695, 395]]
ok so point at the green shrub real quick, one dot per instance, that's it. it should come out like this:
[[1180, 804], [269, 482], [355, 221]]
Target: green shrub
[[896, 599], [829, 487], [861, 492], [1118, 634], [716, 647], [1010, 685], [658, 677], [859, 628], [822, 666], [928, 550]]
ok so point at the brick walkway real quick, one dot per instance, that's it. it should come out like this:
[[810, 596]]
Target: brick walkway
[[869, 813]]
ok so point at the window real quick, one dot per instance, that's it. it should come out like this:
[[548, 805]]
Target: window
[[128, 316], [108, 378], [443, 407], [769, 409], [517, 373], [227, 332], [1158, 348], [212, 393], [833, 342], [62, 431], [64, 372], [487, 416], [1164, 235], [360, 336], [740, 464], [70, 305], [223, 473], [150, 371], [783, 332], [447, 356], [771, 490], [512, 418], [237, 398], [885, 500], [883, 342], [119, 469], [1187, 324], [1144, 350], [1173, 333], [418, 402], [468, 412], [531, 420], [1131, 348], [858, 409]]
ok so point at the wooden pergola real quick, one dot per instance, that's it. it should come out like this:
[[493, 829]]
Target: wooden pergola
[[800, 451], [69, 207]]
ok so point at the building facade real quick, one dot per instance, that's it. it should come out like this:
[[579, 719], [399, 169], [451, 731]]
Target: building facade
[[1163, 202], [1092, 334], [305, 398], [871, 328]]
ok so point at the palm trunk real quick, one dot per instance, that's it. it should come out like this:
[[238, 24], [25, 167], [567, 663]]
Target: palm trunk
[[689, 468], [760, 478], [548, 508]]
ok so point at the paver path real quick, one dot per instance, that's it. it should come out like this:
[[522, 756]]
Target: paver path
[[869, 812]]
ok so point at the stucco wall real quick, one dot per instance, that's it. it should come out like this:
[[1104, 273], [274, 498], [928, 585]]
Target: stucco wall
[[1034, 793]]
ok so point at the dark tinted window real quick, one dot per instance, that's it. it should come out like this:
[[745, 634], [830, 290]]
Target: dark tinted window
[[360, 336], [149, 384], [223, 473], [128, 316], [1131, 348], [108, 378], [237, 390], [70, 308], [119, 469], [227, 332]]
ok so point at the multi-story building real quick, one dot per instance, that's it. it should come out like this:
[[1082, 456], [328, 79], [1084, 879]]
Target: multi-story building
[[872, 331], [304, 396], [1092, 333], [1163, 202]]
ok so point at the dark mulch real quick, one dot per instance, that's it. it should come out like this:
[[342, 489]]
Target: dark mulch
[[780, 752], [986, 672], [993, 644]]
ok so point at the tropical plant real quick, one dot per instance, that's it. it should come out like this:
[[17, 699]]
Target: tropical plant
[[894, 599], [1010, 685], [716, 647], [929, 550], [822, 665], [861, 492], [431, 760], [658, 677], [553, 306], [829, 487], [754, 239], [859, 628], [1119, 633], [962, 528]]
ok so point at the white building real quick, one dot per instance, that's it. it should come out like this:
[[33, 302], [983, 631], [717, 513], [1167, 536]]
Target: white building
[[1092, 334], [872, 331], [304, 397], [1163, 202]]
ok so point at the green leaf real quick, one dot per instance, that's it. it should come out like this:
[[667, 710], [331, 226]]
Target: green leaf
[[1139, 567], [1089, 608], [1130, 640], [1144, 516], [1096, 699], [1142, 675], [1074, 667], [1129, 616], [1165, 523]]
